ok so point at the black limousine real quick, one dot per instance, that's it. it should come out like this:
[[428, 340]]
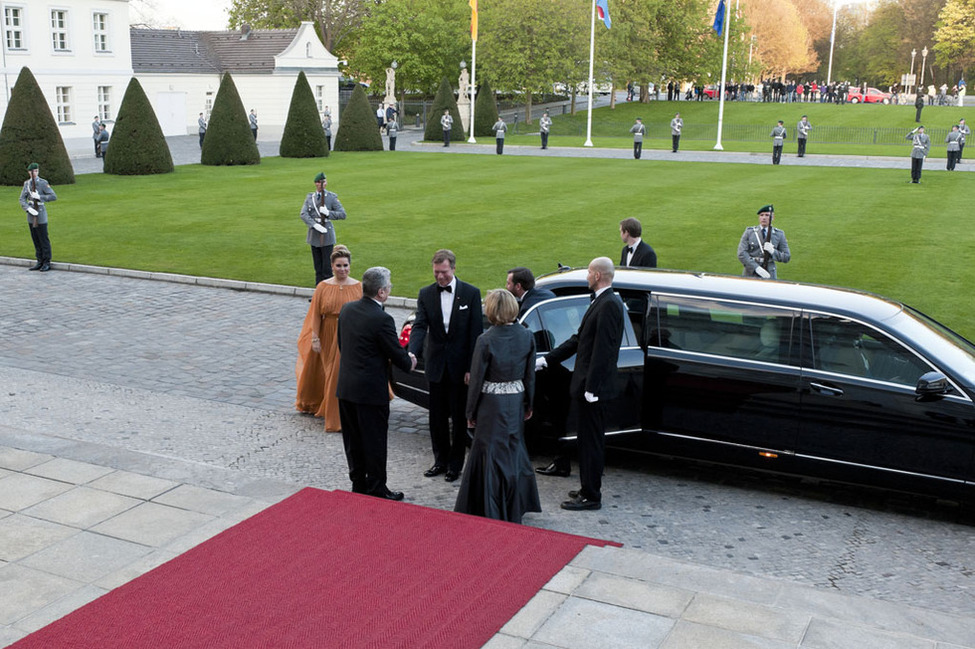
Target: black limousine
[[794, 378]]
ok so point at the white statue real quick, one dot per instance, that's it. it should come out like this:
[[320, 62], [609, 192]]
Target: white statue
[[462, 84], [390, 82]]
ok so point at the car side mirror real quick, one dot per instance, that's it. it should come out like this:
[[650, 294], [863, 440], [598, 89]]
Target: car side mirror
[[931, 386]]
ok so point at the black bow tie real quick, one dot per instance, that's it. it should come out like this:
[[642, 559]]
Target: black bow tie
[[441, 289], [629, 249]]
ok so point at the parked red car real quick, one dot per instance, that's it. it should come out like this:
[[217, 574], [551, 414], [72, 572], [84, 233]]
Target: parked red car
[[873, 96]]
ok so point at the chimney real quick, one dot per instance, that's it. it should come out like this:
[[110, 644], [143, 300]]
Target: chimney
[[245, 32]]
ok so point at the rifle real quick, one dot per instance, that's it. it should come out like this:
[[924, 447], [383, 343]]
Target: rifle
[[37, 204], [768, 237]]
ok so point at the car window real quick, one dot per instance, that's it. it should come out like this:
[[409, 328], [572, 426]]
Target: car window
[[845, 346], [554, 321], [723, 328]]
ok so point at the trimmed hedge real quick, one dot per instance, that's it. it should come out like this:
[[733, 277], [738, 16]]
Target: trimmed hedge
[[485, 111], [444, 99], [137, 146], [357, 128], [30, 134], [303, 135], [229, 140]]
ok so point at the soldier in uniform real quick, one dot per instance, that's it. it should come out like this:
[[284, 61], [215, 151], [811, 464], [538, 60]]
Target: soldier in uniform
[[253, 120], [392, 129], [446, 123], [921, 144], [952, 140], [638, 130], [327, 127], [321, 207], [778, 135], [499, 128], [676, 125], [202, 123], [802, 132], [759, 240], [33, 196], [544, 126], [94, 133]]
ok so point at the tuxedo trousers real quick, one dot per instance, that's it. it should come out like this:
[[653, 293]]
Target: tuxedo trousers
[[448, 423], [364, 432]]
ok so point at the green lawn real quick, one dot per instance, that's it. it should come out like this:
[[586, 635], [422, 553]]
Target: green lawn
[[754, 121], [863, 228]]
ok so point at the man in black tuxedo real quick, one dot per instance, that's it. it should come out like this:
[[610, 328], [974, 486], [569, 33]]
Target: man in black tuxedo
[[447, 324], [368, 342], [521, 284], [637, 253], [597, 347]]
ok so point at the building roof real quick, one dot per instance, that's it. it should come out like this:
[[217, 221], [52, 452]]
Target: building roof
[[191, 52]]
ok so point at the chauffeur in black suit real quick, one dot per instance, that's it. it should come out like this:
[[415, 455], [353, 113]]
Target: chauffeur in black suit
[[368, 342], [597, 347], [637, 253], [521, 284], [447, 324]]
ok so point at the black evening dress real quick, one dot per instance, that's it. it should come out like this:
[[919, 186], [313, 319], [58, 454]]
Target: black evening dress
[[499, 481]]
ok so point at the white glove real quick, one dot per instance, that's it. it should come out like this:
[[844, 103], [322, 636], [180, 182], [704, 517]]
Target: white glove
[[35, 196], [768, 247], [761, 272], [32, 211], [321, 228], [540, 363], [323, 210], [590, 397]]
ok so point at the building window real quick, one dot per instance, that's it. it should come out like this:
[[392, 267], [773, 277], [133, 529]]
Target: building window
[[104, 103], [208, 103], [320, 97], [100, 31], [13, 25], [59, 30], [63, 96]]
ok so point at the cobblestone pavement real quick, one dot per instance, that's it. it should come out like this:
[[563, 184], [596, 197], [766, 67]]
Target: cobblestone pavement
[[205, 375]]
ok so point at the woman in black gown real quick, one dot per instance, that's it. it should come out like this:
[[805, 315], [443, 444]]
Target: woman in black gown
[[499, 481]]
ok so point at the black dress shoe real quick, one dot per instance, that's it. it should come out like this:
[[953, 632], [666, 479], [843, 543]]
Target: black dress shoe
[[579, 503], [36, 266], [392, 495], [574, 494], [46, 267], [435, 470], [553, 469], [451, 476]]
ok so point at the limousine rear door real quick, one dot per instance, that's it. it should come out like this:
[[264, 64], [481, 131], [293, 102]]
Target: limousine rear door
[[859, 405], [553, 322], [722, 373]]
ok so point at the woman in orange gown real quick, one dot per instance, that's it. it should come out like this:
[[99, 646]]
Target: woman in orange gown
[[317, 367]]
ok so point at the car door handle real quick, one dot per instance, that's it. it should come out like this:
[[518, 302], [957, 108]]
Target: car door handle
[[826, 389]]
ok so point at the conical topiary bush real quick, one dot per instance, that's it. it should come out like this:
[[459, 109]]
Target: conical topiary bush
[[30, 134], [303, 135], [229, 140], [485, 111], [444, 99], [357, 128], [137, 146]]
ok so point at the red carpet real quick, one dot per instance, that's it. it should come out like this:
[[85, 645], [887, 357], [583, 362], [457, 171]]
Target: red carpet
[[329, 569]]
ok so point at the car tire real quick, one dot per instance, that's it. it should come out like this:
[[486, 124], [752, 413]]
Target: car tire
[[854, 101], [886, 101]]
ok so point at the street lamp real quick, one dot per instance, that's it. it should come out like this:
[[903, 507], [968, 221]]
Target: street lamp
[[924, 57]]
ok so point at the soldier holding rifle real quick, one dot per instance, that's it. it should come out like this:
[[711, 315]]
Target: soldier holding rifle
[[321, 207], [763, 245], [35, 194]]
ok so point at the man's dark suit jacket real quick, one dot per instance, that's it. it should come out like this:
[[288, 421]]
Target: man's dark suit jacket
[[533, 297], [368, 342], [447, 355], [643, 256], [597, 348]]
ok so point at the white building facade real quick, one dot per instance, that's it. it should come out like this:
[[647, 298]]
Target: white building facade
[[83, 55]]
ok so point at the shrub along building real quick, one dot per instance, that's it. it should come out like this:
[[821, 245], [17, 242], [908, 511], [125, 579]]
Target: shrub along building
[[83, 54]]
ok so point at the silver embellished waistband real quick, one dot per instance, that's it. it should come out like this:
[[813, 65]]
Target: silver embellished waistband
[[502, 387]]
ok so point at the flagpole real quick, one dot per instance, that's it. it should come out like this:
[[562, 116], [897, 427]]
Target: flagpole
[[724, 72], [473, 87], [592, 50]]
